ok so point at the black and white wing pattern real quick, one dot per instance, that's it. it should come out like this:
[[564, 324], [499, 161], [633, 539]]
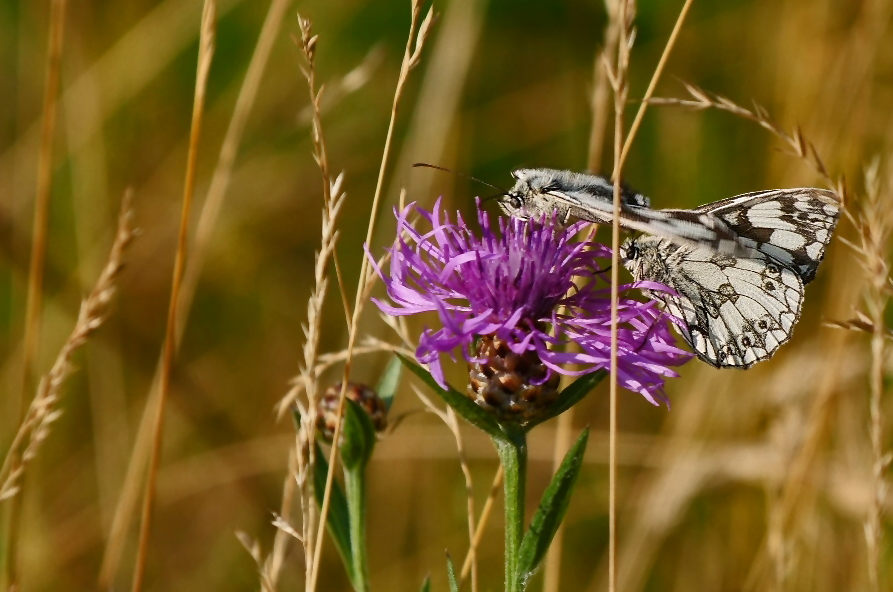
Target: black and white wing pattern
[[734, 311], [792, 226], [738, 310], [544, 192]]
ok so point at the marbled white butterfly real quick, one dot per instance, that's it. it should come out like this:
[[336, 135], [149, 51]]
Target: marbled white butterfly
[[738, 265], [735, 310]]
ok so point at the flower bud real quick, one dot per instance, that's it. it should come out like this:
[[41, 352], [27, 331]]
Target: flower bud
[[512, 386], [367, 398]]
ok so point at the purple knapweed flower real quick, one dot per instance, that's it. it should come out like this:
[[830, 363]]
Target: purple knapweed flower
[[510, 287]]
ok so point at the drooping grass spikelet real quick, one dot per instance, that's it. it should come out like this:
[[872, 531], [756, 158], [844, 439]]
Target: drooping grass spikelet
[[44, 408], [412, 55], [795, 140], [303, 450], [874, 223]]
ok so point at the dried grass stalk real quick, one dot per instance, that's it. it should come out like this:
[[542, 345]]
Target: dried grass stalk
[[618, 76], [874, 223], [486, 512], [600, 91], [207, 221], [801, 147], [614, 33], [34, 304], [655, 77], [44, 408], [796, 477], [302, 456], [253, 547], [418, 34], [448, 416], [205, 55]]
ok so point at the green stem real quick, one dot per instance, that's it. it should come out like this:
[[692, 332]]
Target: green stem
[[513, 455], [355, 488]]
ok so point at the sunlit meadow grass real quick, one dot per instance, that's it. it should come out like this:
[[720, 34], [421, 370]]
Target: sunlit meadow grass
[[772, 478]]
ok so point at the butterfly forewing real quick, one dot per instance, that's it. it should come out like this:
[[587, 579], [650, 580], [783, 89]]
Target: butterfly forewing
[[792, 226], [545, 192]]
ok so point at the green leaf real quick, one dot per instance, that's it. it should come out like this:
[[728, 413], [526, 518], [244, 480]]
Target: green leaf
[[570, 396], [338, 519], [451, 574], [426, 585], [355, 488], [461, 404], [359, 436], [551, 511], [390, 380]]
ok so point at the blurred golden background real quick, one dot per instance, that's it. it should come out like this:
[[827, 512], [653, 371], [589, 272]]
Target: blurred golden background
[[757, 479]]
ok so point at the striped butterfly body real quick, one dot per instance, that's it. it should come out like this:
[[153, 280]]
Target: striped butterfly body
[[738, 266], [539, 192], [737, 311]]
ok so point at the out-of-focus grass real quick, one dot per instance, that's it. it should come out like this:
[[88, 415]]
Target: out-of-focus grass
[[697, 484]]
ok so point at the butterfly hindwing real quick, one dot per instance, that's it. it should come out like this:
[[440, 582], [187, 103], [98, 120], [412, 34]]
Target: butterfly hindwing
[[735, 311]]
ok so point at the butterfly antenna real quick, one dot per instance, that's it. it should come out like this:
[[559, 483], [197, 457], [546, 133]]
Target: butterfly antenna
[[494, 196], [433, 166]]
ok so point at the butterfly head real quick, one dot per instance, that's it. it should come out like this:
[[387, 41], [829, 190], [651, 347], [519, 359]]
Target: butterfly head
[[528, 197], [538, 192], [630, 253], [648, 257]]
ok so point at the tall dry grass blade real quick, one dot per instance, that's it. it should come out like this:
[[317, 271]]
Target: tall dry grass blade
[[876, 234], [207, 221], [634, 128], [34, 305], [220, 180], [486, 511], [130, 492], [205, 53], [104, 363], [253, 548], [333, 201], [43, 409], [469, 493], [418, 34], [619, 82], [600, 104], [294, 481]]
